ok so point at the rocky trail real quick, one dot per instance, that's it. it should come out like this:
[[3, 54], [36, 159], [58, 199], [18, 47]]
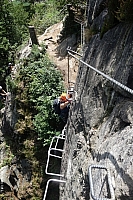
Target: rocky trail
[[49, 38]]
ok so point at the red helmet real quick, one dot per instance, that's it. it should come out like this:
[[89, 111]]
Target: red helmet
[[63, 97]]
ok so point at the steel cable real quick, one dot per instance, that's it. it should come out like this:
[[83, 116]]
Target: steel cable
[[101, 73]]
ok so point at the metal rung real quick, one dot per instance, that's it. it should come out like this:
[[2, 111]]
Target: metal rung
[[47, 164], [55, 149], [73, 92], [57, 138], [55, 156], [47, 185], [112, 196]]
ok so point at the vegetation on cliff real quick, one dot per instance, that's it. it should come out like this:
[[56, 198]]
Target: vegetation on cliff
[[118, 11], [38, 81], [36, 85]]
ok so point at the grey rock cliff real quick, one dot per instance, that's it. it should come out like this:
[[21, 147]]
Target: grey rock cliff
[[100, 126]]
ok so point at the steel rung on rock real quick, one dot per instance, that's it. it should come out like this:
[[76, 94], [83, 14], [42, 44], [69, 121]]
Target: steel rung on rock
[[53, 150], [47, 185], [93, 196], [72, 92]]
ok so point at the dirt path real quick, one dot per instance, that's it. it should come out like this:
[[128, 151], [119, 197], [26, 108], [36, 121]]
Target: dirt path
[[50, 39]]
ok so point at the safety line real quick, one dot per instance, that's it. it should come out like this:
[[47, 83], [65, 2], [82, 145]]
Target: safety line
[[69, 49], [101, 73]]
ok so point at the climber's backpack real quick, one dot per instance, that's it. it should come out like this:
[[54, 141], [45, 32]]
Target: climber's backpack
[[56, 106]]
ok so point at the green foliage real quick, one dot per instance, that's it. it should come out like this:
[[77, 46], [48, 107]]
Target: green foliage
[[20, 19], [118, 10], [125, 11], [4, 46], [49, 12], [5, 38], [15, 16], [38, 82], [111, 19], [61, 3], [13, 29], [46, 14], [41, 83]]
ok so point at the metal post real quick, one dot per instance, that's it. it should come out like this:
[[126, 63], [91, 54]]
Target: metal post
[[81, 37], [33, 35], [68, 68]]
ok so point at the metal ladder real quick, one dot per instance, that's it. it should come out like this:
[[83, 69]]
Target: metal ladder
[[54, 148]]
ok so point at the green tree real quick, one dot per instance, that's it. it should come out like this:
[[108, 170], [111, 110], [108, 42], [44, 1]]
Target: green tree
[[13, 29], [20, 20], [6, 38], [125, 11]]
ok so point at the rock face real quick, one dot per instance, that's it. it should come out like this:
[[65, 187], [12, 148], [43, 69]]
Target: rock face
[[16, 175], [100, 125]]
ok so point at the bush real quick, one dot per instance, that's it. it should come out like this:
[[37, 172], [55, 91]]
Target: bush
[[46, 14], [125, 11], [39, 84], [118, 11]]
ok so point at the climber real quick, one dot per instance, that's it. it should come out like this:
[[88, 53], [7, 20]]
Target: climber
[[3, 94], [65, 101]]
